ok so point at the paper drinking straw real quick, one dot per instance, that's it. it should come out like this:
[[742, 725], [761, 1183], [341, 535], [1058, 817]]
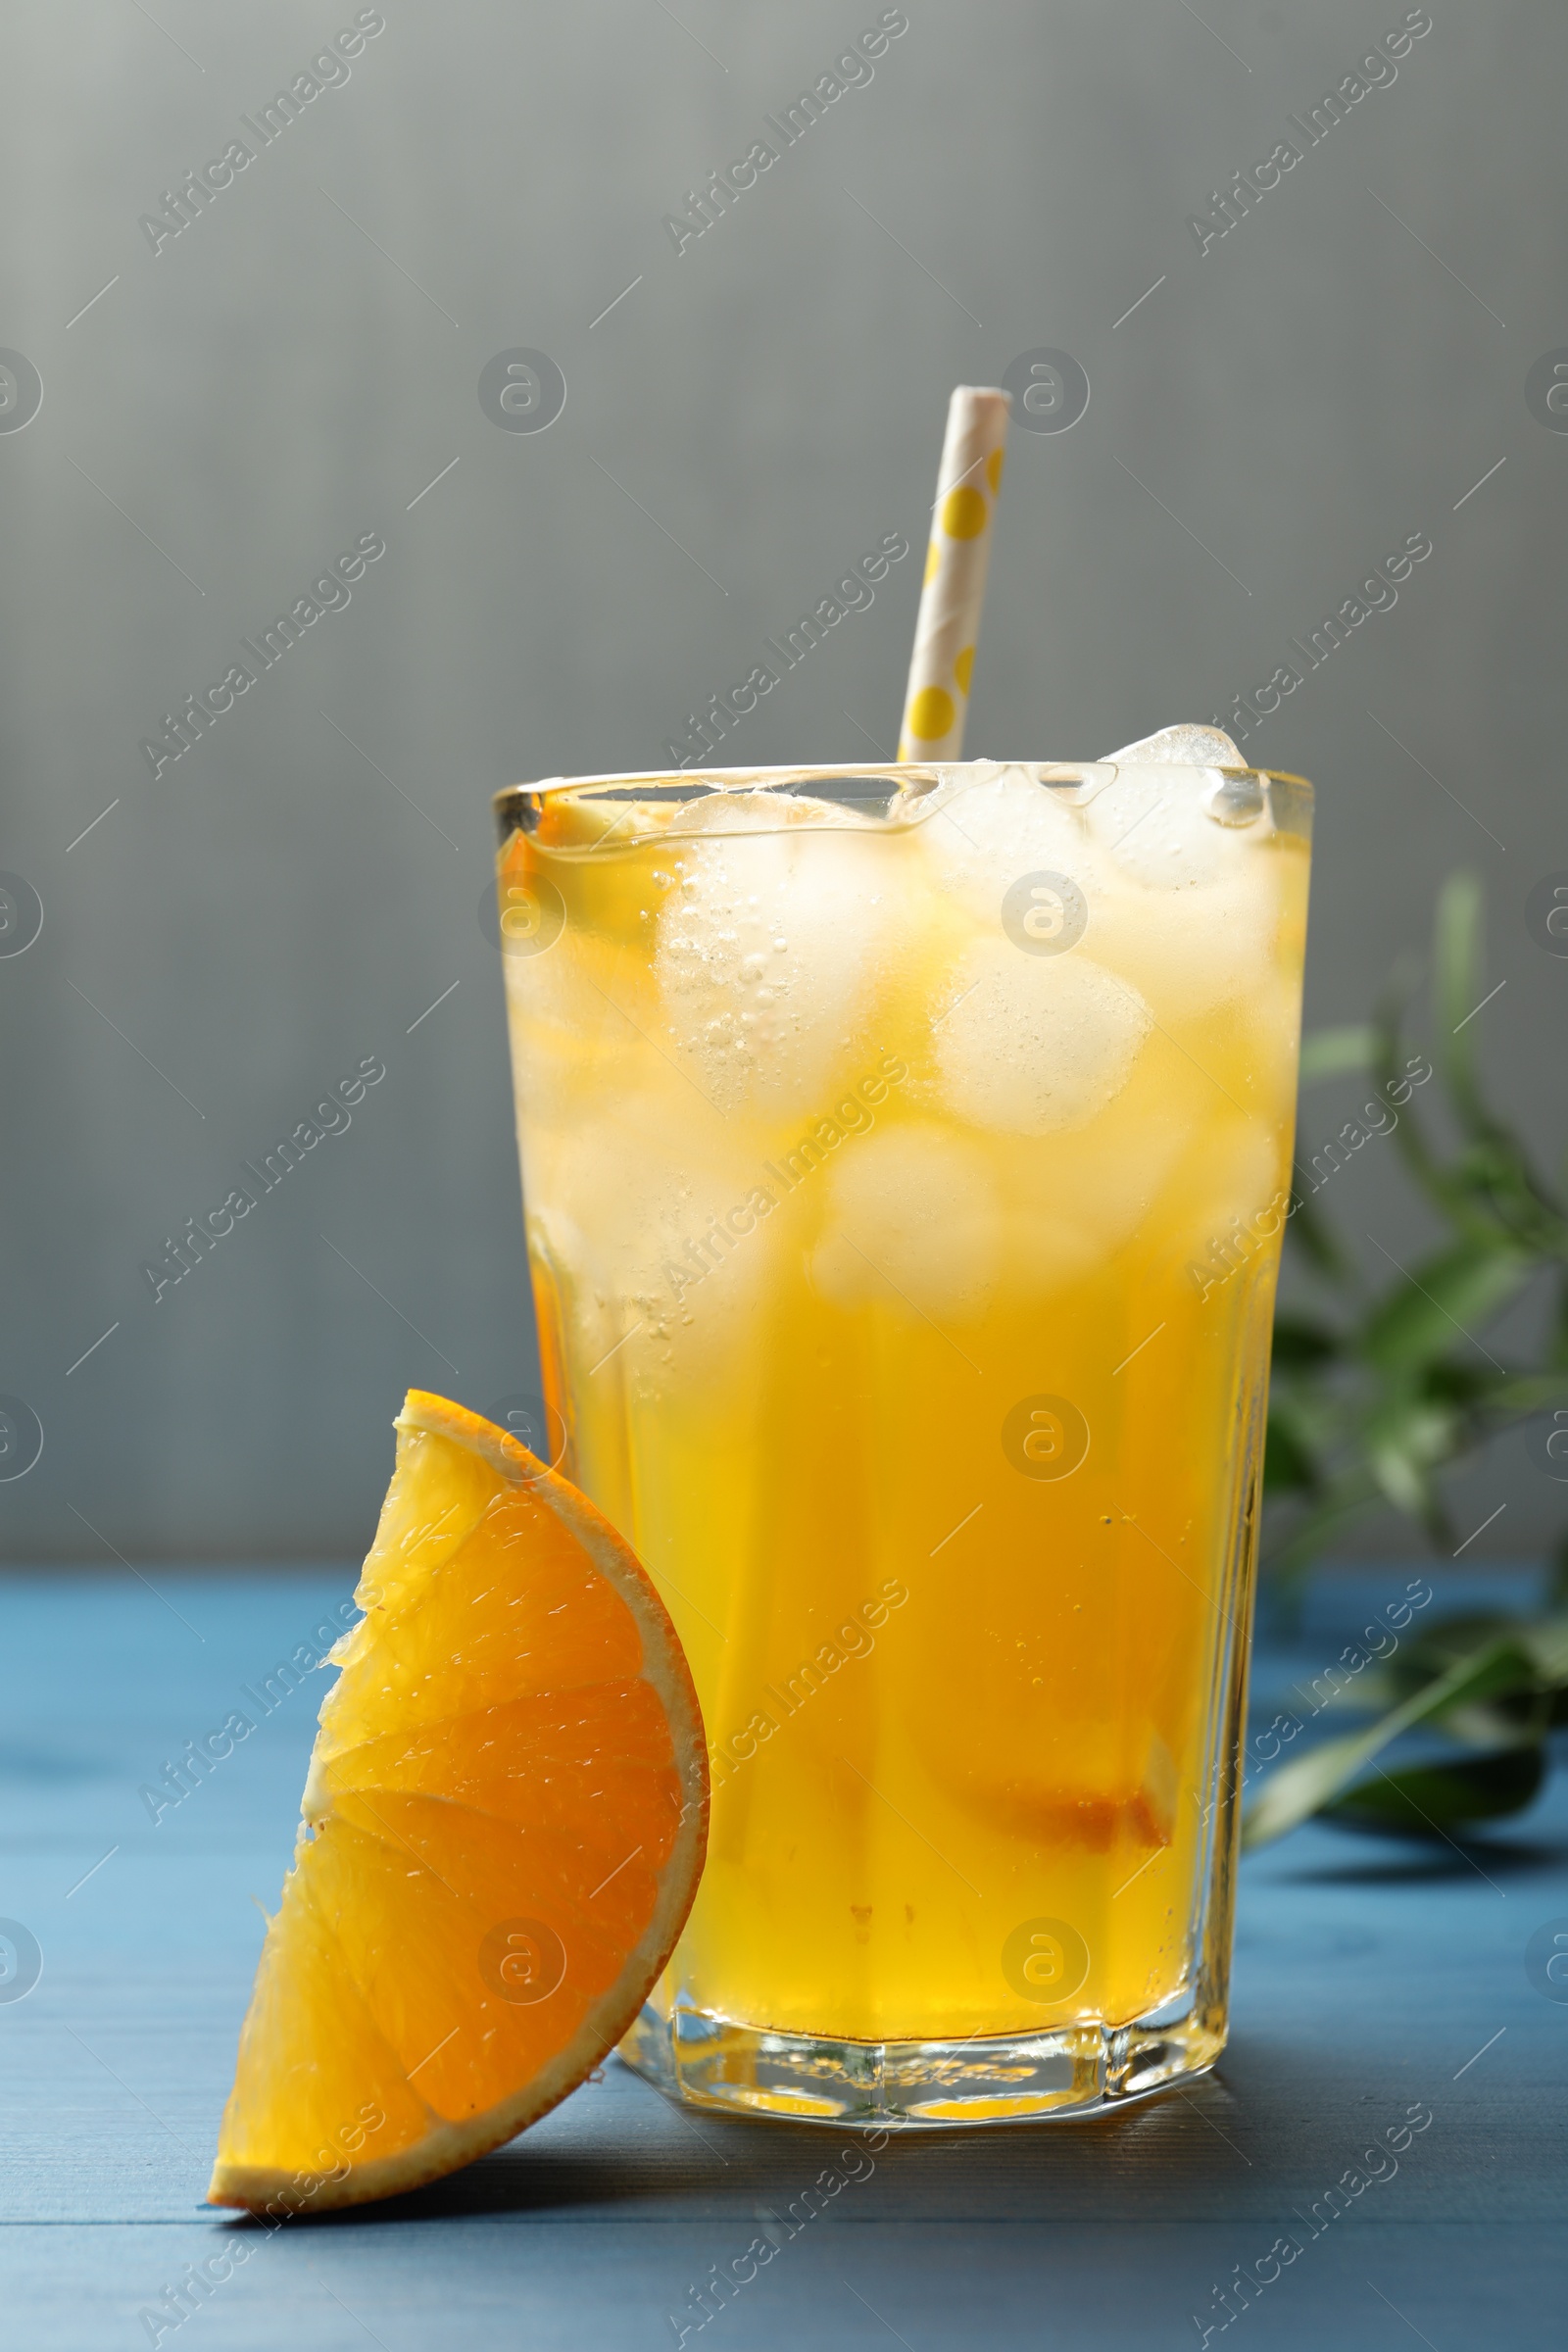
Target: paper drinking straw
[[936, 700]]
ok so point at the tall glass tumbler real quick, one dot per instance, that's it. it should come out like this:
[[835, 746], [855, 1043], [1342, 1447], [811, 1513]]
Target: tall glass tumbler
[[904, 1159]]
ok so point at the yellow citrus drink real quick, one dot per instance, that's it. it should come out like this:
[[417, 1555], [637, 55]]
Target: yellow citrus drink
[[905, 1161]]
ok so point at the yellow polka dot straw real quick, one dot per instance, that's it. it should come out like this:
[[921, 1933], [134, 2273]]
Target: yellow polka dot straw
[[937, 700]]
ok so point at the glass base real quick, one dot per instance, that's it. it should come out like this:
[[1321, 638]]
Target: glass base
[[1079, 2070]]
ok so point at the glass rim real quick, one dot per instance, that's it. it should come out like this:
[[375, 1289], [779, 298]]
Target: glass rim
[[520, 808]]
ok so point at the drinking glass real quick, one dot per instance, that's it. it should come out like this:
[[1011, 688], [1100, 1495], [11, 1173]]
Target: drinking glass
[[906, 1154]]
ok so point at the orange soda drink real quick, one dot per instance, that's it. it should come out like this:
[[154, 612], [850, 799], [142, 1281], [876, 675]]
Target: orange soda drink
[[905, 1162]]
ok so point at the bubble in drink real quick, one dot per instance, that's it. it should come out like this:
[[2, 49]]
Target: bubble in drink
[[763, 953]]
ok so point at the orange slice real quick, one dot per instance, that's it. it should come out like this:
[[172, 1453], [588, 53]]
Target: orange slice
[[504, 1826]]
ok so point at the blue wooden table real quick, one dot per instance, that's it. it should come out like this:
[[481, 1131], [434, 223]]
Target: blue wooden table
[[1376, 1985]]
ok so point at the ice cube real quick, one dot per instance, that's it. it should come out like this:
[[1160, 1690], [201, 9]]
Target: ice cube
[[1173, 822], [1035, 1045], [1011, 822], [643, 1226], [765, 960], [1155, 824], [1190, 950], [756, 813], [1072, 1203], [998, 832], [1234, 1186], [1163, 827], [911, 1214], [1182, 747]]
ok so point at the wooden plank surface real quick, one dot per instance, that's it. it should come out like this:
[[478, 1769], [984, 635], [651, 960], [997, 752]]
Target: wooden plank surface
[[1371, 1979]]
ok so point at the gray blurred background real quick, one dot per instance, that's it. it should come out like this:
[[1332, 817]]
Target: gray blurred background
[[299, 365]]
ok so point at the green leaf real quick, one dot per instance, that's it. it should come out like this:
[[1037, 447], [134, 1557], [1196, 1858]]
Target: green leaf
[[1308, 1783], [1520, 1394], [1438, 1303], [1300, 1341], [1433, 1648], [1547, 1644], [1310, 1232], [1327, 1053], [1379, 1408], [1424, 1799], [1374, 1691], [1409, 1136], [1343, 1499], [1346, 1498], [1288, 1465], [1458, 986], [1559, 1572], [1468, 1388], [1408, 1434], [1511, 1715], [1495, 1168], [1513, 1721]]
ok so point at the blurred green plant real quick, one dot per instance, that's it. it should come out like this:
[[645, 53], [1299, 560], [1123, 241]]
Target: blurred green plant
[[1382, 1389]]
